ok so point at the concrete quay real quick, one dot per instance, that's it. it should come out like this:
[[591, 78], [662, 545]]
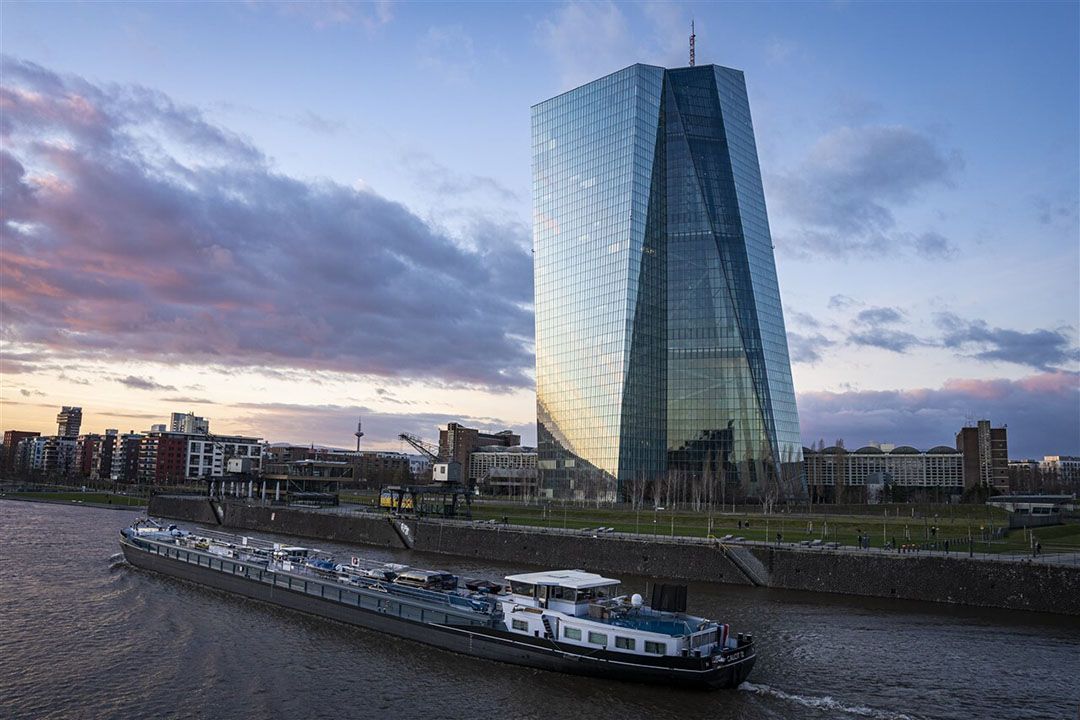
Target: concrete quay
[[956, 578]]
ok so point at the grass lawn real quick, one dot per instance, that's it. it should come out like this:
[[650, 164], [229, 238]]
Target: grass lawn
[[954, 523]]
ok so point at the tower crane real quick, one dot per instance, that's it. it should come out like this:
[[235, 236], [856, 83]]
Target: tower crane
[[430, 451]]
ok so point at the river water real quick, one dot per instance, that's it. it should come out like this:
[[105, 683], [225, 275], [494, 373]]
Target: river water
[[85, 635]]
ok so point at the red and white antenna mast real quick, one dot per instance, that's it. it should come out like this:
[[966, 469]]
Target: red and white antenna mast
[[691, 43]]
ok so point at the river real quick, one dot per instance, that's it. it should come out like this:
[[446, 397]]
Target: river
[[85, 635]]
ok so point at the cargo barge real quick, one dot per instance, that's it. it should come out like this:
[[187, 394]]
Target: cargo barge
[[561, 620]]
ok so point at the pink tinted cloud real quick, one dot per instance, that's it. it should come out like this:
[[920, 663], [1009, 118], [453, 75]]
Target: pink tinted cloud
[[1042, 412], [148, 256]]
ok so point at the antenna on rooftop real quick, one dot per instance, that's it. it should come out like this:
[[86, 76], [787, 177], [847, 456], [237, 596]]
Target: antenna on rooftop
[[359, 432], [692, 43]]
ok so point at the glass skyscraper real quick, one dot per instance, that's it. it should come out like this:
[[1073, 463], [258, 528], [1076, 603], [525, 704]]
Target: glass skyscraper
[[660, 342]]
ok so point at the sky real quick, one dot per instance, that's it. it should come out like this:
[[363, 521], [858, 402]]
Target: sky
[[282, 216]]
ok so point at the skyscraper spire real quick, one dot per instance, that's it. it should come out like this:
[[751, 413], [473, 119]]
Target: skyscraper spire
[[692, 43]]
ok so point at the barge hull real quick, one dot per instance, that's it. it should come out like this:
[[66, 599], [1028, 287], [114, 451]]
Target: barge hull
[[475, 642]]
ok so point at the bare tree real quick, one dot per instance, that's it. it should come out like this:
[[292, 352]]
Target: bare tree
[[638, 484], [656, 488]]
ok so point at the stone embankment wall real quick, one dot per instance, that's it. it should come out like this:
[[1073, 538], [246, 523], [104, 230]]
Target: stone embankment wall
[[350, 528], [191, 509], [602, 554], [1010, 585]]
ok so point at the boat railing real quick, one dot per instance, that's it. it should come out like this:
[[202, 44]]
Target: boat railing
[[661, 626], [434, 596], [237, 540], [449, 598], [299, 574]]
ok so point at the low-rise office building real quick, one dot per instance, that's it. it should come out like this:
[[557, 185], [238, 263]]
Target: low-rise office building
[[1062, 470], [206, 455], [839, 475], [373, 468], [457, 442], [497, 470]]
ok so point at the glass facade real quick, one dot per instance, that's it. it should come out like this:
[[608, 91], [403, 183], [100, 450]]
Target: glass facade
[[660, 339]]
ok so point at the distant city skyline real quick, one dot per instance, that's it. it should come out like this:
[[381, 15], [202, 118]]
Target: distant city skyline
[[196, 221]]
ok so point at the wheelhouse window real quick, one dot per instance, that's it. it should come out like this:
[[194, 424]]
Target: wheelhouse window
[[592, 594], [597, 638], [520, 625], [654, 647], [564, 593], [571, 633], [520, 588], [624, 643], [605, 591]]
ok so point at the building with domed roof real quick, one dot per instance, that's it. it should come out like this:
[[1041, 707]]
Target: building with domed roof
[[836, 474]]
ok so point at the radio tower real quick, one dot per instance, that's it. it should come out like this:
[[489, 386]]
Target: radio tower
[[691, 43], [359, 432]]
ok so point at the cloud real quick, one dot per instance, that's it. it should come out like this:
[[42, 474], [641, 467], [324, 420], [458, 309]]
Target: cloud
[[1040, 349], [15, 363], [387, 396], [933, 245], [188, 400], [31, 393], [306, 119], [807, 320], [587, 40], [1063, 210], [139, 383], [133, 228], [842, 302], [843, 197], [807, 348], [5, 401], [886, 339], [1042, 413], [319, 124], [441, 180], [133, 416], [879, 316], [334, 424]]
